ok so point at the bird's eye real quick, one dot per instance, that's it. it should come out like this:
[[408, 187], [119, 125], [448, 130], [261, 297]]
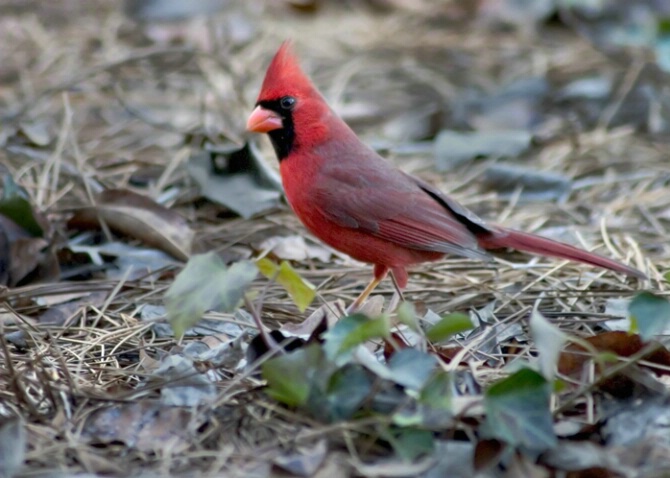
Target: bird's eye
[[287, 102]]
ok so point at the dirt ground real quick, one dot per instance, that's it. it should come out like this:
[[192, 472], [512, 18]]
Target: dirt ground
[[98, 95]]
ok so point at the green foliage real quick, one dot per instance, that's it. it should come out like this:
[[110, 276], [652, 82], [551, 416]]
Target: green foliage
[[517, 411], [410, 443], [650, 314], [406, 314], [351, 331], [302, 292], [206, 284], [451, 324], [347, 388], [340, 380], [330, 382], [290, 376], [436, 393], [15, 205], [412, 368]]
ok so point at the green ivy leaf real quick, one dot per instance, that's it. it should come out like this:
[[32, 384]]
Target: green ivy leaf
[[206, 284], [436, 393], [449, 325], [410, 443], [15, 205], [290, 377], [650, 314], [412, 368], [406, 314], [347, 390], [351, 331], [517, 411], [302, 291]]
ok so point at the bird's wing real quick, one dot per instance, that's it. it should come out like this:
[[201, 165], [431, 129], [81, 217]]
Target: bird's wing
[[396, 207]]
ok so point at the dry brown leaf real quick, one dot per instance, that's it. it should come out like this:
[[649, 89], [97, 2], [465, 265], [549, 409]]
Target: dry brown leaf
[[58, 314], [620, 343], [22, 254], [144, 425], [140, 217]]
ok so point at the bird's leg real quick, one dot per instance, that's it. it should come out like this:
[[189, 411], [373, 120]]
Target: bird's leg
[[396, 285], [397, 294], [379, 274], [364, 295]]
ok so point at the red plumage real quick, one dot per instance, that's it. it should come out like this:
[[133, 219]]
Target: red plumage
[[358, 203]]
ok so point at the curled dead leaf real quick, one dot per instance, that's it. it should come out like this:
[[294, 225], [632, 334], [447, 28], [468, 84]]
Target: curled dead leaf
[[623, 344], [144, 425], [24, 257], [140, 217]]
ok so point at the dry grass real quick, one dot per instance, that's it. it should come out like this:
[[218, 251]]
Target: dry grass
[[116, 107]]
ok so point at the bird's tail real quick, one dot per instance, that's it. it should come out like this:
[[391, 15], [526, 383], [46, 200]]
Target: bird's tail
[[522, 241]]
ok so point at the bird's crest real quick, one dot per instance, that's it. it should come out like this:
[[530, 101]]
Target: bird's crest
[[284, 76]]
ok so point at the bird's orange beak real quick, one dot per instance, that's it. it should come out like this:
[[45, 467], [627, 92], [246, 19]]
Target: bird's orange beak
[[262, 120]]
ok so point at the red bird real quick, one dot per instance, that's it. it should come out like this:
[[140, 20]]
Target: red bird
[[358, 203]]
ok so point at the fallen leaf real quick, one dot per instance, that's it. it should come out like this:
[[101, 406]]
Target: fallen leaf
[[24, 257], [412, 368], [351, 331], [57, 314], [306, 327], [409, 444], [548, 340], [206, 284], [139, 217], [451, 458], [517, 411], [129, 261], [453, 148], [488, 454], [157, 313], [181, 384], [32, 258], [26, 251], [582, 455], [289, 377], [246, 185], [451, 324], [437, 391], [537, 185], [294, 248], [302, 291], [171, 10], [305, 461], [650, 314], [15, 205], [144, 425], [515, 106], [13, 445], [522, 14], [347, 390], [589, 88], [38, 132], [220, 352], [622, 344], [373, 306], [258, 347]]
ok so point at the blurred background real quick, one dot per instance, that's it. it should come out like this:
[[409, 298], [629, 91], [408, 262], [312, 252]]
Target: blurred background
[[123, 152]]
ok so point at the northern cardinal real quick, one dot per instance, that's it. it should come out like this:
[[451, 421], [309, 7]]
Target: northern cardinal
[[357, 202]]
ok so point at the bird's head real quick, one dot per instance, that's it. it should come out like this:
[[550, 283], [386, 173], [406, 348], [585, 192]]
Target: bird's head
[[289, 107]]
